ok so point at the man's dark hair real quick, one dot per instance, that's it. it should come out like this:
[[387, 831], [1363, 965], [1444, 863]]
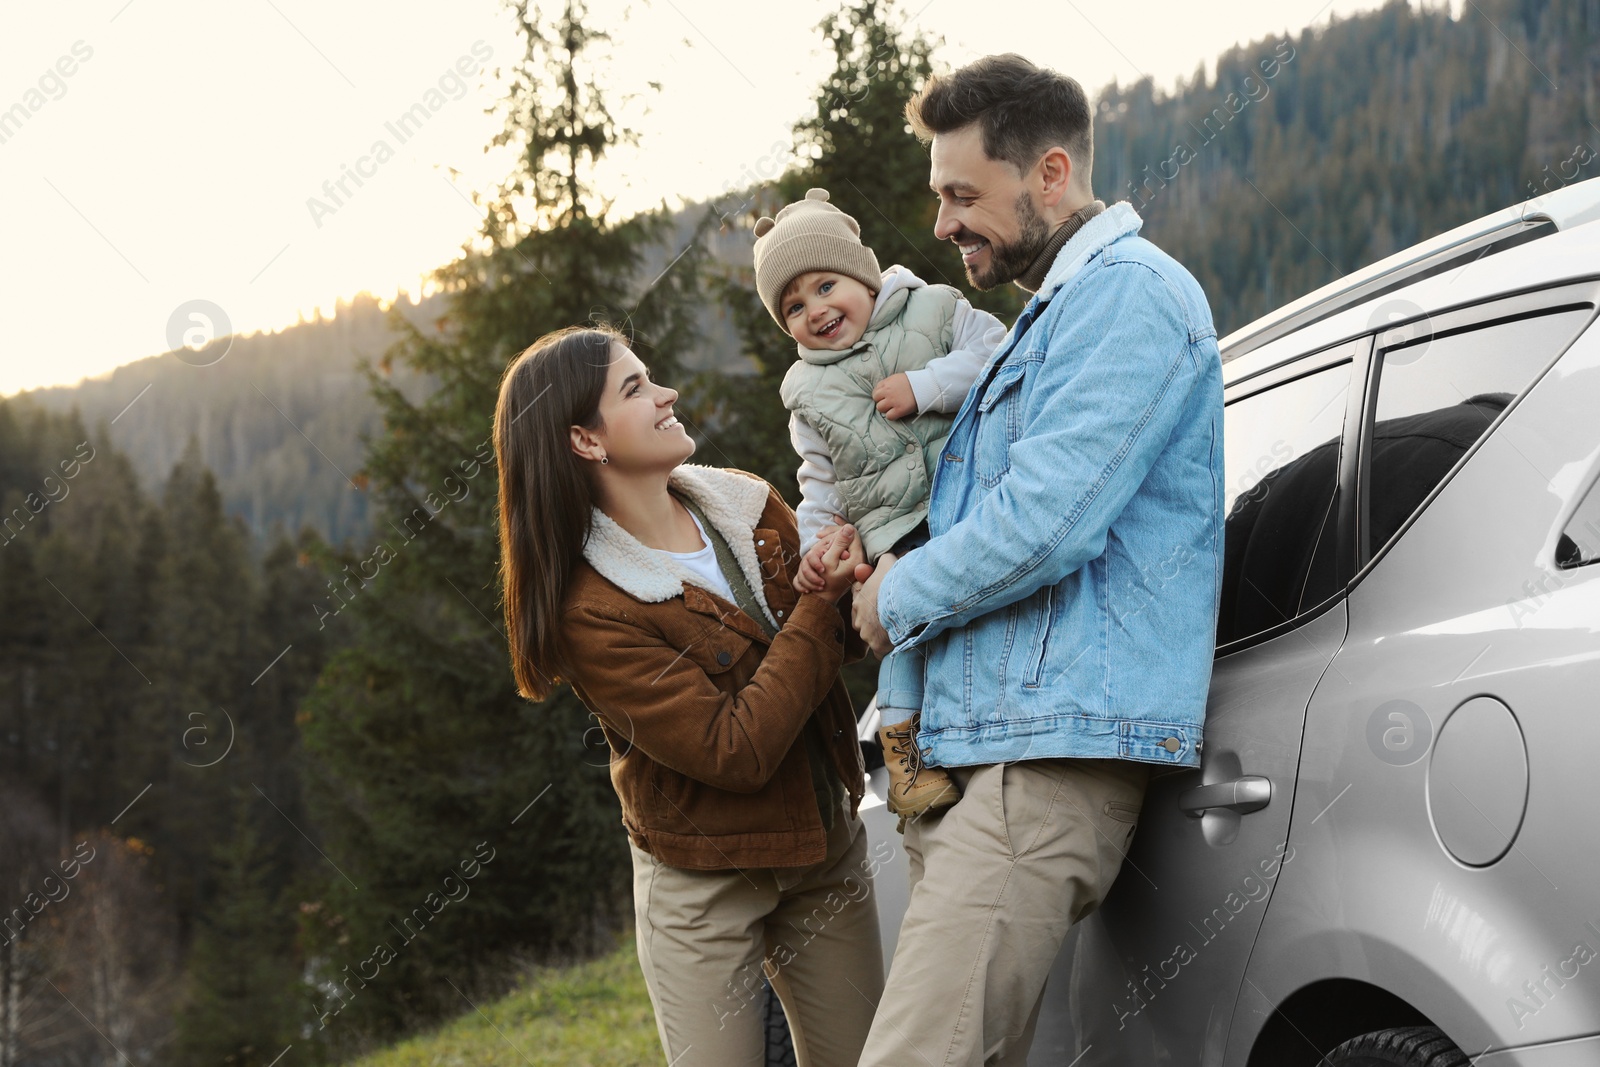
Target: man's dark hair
[[1022, 110]]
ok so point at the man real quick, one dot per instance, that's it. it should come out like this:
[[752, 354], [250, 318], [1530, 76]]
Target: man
[[1067, 602]]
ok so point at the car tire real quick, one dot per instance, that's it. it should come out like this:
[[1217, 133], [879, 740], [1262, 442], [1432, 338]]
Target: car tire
[[780, 1044], [1410, 1046]]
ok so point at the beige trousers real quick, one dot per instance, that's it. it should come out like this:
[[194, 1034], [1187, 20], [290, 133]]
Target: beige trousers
[[708, 940], [996, 882]]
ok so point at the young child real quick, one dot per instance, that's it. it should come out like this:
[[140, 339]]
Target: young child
[[885, 361]]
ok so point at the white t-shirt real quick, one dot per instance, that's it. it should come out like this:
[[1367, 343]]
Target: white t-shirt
[[704, 562]]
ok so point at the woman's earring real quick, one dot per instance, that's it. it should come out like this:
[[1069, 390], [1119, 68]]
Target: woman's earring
[[604, 459]]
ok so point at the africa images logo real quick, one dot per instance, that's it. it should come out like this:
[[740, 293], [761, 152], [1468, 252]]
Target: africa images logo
[[1398, 732], [193, 331]]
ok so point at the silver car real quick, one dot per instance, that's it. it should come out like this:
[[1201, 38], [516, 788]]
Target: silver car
[[1392, 853]]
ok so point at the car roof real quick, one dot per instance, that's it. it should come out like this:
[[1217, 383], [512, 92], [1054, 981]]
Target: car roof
[[1539, 242]]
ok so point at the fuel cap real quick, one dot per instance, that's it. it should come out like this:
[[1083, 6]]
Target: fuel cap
[[1478, 782]]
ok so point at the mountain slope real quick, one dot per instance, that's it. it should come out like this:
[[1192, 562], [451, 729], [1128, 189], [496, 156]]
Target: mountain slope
[[279, 419], [1308, 156]]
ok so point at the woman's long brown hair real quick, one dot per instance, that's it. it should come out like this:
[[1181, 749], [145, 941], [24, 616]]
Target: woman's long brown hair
[[546, 496]]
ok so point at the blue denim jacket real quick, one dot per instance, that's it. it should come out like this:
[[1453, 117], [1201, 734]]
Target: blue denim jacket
[[1067, 602]]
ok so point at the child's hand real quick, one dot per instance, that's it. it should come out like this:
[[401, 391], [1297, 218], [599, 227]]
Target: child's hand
[[894, 397], [808, 578], [839, 564]]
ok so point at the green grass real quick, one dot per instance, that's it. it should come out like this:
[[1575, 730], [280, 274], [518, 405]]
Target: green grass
[[596, 1014]]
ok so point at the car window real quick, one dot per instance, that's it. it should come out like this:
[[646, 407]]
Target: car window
[[1580, 541], [1436, 397], [1281, 452]]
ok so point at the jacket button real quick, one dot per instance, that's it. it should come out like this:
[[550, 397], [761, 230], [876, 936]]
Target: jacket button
[[838, 734], [724, 659], [780, 613], [911, 446], [761, 544], [1172, 744]]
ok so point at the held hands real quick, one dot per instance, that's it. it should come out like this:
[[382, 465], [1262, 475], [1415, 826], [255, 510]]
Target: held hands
[[838, 564], [894, 398], [808, 579]]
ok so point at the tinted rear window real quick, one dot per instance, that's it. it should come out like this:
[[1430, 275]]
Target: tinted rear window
[[1437, 396]]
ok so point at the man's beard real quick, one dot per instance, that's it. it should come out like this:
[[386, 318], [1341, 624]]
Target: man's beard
[[1008, 262]]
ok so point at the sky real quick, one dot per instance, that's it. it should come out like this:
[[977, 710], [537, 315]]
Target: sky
[[171, 168]]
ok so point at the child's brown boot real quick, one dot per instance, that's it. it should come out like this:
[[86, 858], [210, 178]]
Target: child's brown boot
[[914, 789]]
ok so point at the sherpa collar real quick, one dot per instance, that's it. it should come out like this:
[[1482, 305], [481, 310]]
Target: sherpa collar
[[1115, 222], [730, 501]]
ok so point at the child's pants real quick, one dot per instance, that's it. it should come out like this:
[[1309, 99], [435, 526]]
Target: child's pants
[[900, 672]]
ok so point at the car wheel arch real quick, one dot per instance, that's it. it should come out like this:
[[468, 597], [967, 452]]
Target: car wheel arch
[[1318, 1017]]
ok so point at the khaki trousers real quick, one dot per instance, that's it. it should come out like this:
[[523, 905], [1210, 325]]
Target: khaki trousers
[[996, 882], [708, 940]]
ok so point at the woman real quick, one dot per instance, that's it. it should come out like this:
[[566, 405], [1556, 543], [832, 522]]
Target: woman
[[663, 593]]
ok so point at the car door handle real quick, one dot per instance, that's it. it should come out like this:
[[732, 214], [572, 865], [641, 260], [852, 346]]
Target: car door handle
[[1242, 795]]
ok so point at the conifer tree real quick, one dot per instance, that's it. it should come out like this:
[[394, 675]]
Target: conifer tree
[[285, 650], [864, 153], [855, 144], [242, 1008], [204, 596]]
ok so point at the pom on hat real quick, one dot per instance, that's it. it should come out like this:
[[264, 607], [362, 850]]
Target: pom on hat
[[765, 223], [817, 194]]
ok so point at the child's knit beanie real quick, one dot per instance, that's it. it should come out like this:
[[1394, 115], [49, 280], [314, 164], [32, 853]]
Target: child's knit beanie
[[808, 235]]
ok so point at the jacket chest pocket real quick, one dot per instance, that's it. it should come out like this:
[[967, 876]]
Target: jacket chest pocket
[[999, 424], [716, 651]]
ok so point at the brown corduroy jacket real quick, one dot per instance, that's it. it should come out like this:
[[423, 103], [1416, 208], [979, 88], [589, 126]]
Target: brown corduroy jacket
[[702, 710]]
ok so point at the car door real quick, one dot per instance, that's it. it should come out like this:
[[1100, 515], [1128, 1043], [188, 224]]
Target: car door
[[1444, 832], [1152, 977]]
